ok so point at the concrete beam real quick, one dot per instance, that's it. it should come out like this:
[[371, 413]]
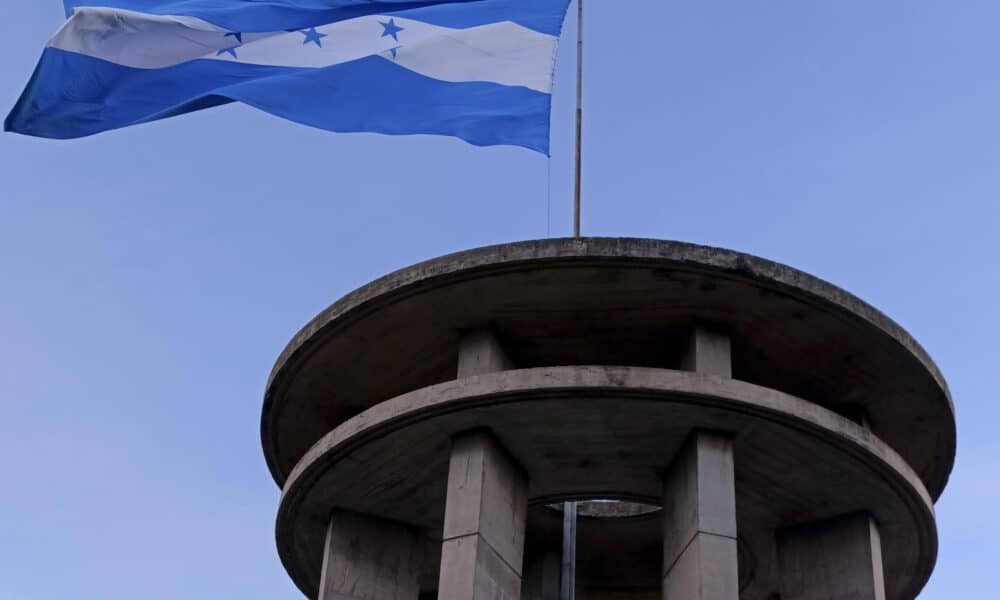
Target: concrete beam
[[480, 352], [839, 559], [708, 352], [482, 549], [367, 558], [699, 534]]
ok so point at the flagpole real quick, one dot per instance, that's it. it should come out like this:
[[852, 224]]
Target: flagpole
[[567, 579], [579, 116]]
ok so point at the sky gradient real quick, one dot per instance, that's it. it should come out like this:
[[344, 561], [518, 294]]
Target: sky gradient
[[150, 276]]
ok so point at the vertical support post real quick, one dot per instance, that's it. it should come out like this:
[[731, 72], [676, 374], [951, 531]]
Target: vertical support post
[[709, 352], [567, 586], [579, 118], [482, 548], [839, 559], [699, 534], [480, 352], [366, 558]]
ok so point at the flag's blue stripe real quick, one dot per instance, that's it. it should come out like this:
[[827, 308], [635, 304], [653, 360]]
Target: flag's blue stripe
[[72, 95], [545, 16]]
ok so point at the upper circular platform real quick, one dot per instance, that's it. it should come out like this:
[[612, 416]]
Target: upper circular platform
[[609, 301]]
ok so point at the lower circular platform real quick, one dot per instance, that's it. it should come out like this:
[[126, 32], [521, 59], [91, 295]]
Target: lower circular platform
[[610, 432]]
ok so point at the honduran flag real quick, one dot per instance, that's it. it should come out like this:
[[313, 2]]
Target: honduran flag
[[479, 70]]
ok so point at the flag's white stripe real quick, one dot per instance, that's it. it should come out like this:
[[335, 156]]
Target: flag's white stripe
[[504, 53], [140, 40]]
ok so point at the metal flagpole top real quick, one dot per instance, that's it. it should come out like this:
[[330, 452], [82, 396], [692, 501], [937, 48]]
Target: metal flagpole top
[[579, 117]]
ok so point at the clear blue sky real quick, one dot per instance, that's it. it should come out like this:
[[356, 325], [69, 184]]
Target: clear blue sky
[[150, 276]]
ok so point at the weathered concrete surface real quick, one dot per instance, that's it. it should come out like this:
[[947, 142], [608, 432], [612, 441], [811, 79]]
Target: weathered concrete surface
[[797, 462], [480, 352], [699, 522], [837, 559], [829, 407], [482, 551], [367, 558], [472, 569], [706, 570], [609, 301], [709, 351]]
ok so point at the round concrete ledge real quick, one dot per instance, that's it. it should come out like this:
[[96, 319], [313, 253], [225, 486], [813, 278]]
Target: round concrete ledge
[[630, 302], [610, 432]]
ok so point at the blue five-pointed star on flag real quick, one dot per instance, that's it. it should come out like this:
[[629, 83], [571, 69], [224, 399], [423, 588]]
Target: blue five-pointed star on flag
[[313, 36], [391, 29]]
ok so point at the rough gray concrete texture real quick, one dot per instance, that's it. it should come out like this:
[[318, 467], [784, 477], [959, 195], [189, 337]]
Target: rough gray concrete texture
[[838, 559], [710, 352], [487, 496], [609, 301], [699, 520], [472, 570], [613, 510], [366, 558], [699, 495], [480, 352], [796, 461], [705, 570], [794, 436]]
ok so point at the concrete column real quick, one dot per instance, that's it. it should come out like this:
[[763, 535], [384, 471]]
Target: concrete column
[[369, 559], [479, 352], [840, 559], [708, 352], [699, 509], [484, 523]]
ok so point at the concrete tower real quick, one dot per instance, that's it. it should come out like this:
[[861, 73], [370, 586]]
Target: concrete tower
[[766, 434]]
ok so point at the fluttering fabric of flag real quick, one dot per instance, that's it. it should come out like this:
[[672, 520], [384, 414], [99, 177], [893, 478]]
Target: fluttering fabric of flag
[[479, 70]]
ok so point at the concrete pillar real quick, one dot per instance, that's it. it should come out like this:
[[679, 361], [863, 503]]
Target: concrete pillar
[[484, 523], [369, 559], [708, 352], [699, 510], [479, 352], [840, 559]]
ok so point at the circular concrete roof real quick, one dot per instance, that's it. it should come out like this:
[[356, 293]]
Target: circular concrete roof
[[611, 432], [609, 301]]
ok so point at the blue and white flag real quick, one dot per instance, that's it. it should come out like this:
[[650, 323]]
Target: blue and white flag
[[480, 70]]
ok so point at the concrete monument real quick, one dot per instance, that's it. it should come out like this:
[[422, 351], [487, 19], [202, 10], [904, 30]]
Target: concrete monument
[[727, 427]]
